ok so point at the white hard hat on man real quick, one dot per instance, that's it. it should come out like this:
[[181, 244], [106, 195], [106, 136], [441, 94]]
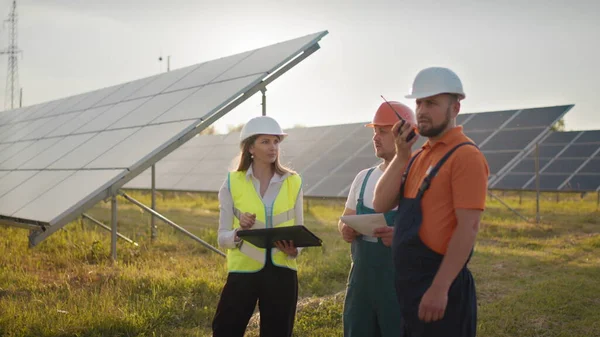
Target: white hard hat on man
[[434, 81]]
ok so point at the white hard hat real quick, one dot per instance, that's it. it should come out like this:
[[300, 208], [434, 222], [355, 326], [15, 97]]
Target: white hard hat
[[262, 125], [436, 80]]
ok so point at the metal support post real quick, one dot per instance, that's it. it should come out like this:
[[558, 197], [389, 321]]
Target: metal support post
[[152, 218], [163, 218], [520, 197], [113, 245], [510, 208], [86, 216], [537, 183], [264, 101]]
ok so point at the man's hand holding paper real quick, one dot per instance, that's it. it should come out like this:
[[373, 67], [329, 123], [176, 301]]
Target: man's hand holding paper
[[367, 224], [348, 233], [385, 233]]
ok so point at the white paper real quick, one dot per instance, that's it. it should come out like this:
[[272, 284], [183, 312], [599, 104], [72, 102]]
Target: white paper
[[365, 223]]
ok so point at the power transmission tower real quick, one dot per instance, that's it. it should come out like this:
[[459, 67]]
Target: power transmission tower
[[12, 74]]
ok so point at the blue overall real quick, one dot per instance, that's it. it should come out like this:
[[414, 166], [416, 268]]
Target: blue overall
[[416, 266], [371, 308]]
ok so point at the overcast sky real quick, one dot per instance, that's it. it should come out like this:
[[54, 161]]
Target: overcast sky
[[509, 54]]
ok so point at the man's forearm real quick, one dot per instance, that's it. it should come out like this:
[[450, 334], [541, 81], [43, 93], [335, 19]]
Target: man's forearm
[[458, 251], [387, 188]]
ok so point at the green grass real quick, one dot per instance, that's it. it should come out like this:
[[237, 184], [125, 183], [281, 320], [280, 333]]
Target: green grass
[[533, 279]]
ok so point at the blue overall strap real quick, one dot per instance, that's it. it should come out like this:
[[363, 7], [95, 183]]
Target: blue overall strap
[[361, 194], [405, 174], [427, 181]]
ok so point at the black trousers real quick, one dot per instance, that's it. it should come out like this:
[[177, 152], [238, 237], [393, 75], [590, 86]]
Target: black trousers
[[276, 290]]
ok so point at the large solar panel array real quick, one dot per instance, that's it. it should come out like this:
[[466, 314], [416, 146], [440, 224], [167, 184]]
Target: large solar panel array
[[61, 157], [329, 157], [568, 161]]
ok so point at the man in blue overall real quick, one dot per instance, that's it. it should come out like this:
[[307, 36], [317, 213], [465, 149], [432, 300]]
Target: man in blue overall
[[442, 189], [371, 308]]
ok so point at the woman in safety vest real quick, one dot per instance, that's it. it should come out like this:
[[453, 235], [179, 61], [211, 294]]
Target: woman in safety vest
[[261, 193]]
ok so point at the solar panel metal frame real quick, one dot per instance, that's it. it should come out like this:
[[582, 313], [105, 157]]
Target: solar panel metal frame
[[565, 147], [41, 229]]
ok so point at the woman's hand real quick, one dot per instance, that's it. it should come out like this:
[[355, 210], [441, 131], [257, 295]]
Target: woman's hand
[[247, 220], [287, 247]]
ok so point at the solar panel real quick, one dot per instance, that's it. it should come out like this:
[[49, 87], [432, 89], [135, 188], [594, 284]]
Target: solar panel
[[548, 182], [511, 140], [567, 162], [125, 91], [527, 165], [478, 136], [53, 202], [461, 118], [497, 160], [593, 166], [548, 151], [294, 149], [519, 134], [515, 181], [93, 148], [579, 151], [336, 183], [488, 121], [560, 138], [563, 165], [329, 164], [536, 117], [19, 130], [61, 157], [589, 137], [583, 182]]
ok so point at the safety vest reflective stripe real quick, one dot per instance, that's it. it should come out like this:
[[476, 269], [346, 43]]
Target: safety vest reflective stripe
[[253, 252], [284, 217]]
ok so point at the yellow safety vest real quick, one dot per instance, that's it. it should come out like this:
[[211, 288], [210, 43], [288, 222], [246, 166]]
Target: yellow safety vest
[[248, 257]]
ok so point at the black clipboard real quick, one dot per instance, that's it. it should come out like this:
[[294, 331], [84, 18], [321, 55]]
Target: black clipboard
[[301, 236]]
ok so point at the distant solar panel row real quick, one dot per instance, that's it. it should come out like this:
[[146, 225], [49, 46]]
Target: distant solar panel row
[[329, 157], [568, 161]]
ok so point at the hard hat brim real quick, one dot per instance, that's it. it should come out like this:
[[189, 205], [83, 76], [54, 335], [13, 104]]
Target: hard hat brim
[[282, 136], [372, 125], [430, 94]]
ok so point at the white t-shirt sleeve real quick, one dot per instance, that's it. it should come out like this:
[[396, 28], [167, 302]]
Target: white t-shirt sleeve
[[354, 192]]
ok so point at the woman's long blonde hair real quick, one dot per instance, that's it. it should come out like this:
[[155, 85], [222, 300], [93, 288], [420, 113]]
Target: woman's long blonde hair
[[246, 158]]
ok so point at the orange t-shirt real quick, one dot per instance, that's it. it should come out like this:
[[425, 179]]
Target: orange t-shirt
[[461, 182]]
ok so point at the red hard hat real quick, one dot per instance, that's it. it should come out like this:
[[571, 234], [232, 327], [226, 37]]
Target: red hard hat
[[385, 115]]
